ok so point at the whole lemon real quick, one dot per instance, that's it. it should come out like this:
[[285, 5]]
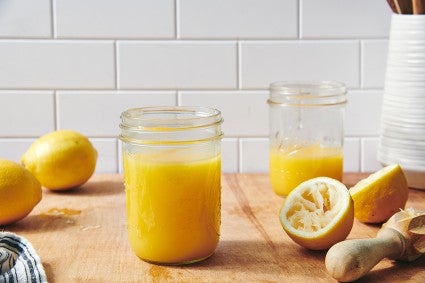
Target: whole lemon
[[61, 160], [19, 192]]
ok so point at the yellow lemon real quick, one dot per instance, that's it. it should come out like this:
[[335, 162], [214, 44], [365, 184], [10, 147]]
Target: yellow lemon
[[19, 192], [61, 160], [318, 213], [377, 197]]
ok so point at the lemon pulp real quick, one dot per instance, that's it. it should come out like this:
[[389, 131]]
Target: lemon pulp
[[318, 213]]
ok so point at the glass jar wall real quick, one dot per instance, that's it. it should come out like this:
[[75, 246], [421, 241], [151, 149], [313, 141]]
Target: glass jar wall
[[306, 132], [172, 175]]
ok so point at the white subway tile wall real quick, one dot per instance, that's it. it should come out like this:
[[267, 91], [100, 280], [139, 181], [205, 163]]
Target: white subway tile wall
[[265, 62], [77, 64], [344, 19], [114, 19], [96, 113], [56, 64], [236, 19], [25, 19], [373, 62], [176, 65]]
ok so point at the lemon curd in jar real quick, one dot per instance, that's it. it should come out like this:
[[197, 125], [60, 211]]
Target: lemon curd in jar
[[173, 207], [291, 166], [172, 177]]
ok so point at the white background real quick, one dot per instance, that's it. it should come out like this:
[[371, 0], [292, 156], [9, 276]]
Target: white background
[[77, 64]]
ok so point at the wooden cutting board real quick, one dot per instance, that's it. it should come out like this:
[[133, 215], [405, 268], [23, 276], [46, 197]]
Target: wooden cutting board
[[81, 236]]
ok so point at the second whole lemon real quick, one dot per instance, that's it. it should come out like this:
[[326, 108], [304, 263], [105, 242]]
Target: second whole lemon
[[61, 160], [20, 192]]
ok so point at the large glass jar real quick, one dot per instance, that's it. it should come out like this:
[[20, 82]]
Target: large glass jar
[[306, 132], [172, 175]]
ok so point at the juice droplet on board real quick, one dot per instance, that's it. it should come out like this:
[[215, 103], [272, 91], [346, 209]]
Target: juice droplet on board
[[61, 212]]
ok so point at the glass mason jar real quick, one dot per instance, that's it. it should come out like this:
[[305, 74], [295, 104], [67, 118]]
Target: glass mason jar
[[306, 132], [172, 177]]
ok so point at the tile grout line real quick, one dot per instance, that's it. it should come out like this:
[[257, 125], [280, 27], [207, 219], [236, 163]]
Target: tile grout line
[[176, 19], [116, 69], [55, 111], [53, 17], [238, 65], [361, 55], [299, 31], [239, 155], [117, 154], [361, 154], [177, 100]]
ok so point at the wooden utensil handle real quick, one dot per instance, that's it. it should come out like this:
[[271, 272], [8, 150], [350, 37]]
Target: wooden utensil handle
[[351, 259], [392, 6], [418, 7]]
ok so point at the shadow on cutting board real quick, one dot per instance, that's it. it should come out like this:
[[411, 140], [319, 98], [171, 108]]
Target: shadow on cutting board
[[93, 188]]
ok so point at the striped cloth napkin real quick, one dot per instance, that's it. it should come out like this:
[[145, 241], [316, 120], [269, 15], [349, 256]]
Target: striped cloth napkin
[[18, 260]]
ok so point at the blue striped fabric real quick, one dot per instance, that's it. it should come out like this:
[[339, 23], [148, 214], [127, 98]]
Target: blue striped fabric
[[18, 260]]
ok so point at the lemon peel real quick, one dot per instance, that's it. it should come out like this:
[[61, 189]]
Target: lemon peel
[[318, 213], [20, 192], [380, 195], [61, 160]]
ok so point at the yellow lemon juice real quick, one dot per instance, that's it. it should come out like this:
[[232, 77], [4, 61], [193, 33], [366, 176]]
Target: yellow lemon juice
[[291, 166], [173, 207]]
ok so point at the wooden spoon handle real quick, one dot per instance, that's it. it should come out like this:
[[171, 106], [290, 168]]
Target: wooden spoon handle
[[392, 6], [351, 259], [418, 7], [403, 6]]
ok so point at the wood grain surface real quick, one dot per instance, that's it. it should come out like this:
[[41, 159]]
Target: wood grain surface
[[81, 236]]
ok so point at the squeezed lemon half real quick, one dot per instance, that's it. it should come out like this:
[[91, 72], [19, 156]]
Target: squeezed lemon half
[[318, 213]]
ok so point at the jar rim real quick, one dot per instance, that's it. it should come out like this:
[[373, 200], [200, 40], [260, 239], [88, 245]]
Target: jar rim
[[307, 93], [170, 125], [170, 117]]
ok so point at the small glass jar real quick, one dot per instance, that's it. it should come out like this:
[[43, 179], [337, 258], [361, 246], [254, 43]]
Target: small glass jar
[[172, 176], [306, 132]]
